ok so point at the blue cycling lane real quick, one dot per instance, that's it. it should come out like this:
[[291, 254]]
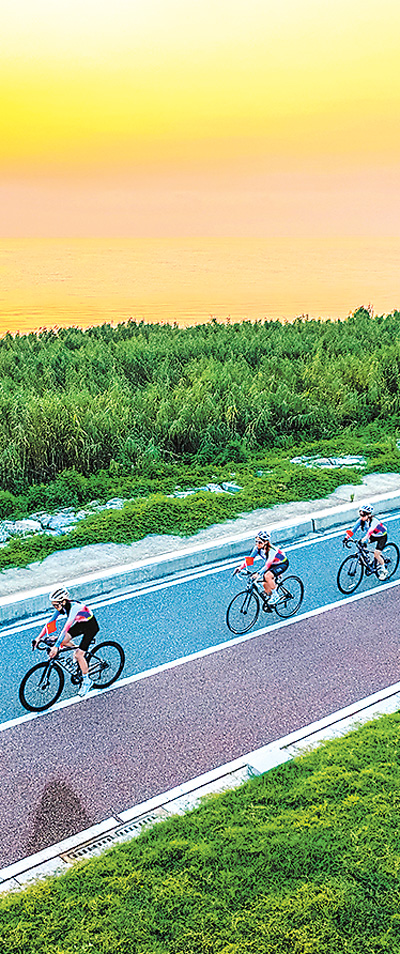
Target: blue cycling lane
[[178, 617]]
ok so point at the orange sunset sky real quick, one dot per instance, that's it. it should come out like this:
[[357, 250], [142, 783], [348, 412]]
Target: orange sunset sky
[[204, 117]]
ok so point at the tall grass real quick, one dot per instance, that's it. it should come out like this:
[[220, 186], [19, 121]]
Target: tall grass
[[140, 394]]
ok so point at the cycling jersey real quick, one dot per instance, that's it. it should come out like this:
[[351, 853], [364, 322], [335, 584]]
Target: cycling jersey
[[374, 529], [273, 558], [79, 613]]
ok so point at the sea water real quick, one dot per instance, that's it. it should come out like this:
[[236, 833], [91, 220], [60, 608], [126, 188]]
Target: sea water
[[54, 282]]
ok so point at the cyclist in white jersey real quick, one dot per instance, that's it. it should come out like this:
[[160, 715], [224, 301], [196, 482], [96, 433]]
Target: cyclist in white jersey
[[275, 562], [374, 535], [80, 622]]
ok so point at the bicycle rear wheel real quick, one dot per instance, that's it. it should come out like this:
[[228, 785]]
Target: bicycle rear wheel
[[41, 687], [391, 557], [242, 612], [106, 662], [291, 593], [350, 574]]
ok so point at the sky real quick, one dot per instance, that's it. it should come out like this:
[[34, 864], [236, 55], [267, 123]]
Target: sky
[[204, 117]]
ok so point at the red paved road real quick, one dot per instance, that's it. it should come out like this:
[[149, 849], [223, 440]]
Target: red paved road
[[76, 766]]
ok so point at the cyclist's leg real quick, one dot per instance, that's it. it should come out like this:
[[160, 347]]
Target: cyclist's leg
[[269, 582], [272, 574], [87, 630], [379, 544]]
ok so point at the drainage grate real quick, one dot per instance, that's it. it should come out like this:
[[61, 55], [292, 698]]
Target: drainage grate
[[133, 828], [123, 833]]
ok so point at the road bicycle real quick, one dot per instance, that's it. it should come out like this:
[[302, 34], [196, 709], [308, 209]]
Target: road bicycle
[[352, 570], [43, 684], [244, 609]]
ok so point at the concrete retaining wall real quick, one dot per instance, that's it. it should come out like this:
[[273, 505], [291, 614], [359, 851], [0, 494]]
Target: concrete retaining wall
[[31, 602]]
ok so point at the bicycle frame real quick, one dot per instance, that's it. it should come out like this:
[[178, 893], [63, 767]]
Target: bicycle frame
[[370, 564], [251, 584], [70, 666]]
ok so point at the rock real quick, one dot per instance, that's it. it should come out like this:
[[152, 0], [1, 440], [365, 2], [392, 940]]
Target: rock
[[330, 462], [62, 521], [18, 528]]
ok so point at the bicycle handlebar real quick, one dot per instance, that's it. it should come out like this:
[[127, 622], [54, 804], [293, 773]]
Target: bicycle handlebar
[[40, 645], [357, 543], [243, 573]]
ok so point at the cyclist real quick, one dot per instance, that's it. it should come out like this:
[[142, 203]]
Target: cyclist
[[80, 622], [374, 533], [275, 563]]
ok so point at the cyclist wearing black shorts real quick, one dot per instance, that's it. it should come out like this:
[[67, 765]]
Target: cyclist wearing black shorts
[[275, 562], [374, 534], [80, 622]]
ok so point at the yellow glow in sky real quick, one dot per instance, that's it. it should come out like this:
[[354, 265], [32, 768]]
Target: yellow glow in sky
[[114, 90]]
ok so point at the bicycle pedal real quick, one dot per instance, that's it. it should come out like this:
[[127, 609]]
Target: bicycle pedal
[[267, 608]]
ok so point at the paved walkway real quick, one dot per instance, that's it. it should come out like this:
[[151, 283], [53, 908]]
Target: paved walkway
[[68, 564]]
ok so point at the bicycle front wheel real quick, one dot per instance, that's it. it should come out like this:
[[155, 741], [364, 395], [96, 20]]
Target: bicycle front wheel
[[291, 593], [391, 557], [350, 574], [106, 662], [41, 687], [242, 612]]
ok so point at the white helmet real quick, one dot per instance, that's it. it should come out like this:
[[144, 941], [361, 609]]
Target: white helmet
[[59, 595], [263, 535], [366, 510]]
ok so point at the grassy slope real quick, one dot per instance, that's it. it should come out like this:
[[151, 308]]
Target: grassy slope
[[303, 860]]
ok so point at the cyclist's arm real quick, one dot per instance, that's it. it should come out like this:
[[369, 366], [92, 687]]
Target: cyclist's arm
[[350, 533], [67, 625], [63, 633], [249, 561], [49, 627]]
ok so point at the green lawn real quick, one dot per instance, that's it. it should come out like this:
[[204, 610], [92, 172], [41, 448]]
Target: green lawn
[[303, 860]]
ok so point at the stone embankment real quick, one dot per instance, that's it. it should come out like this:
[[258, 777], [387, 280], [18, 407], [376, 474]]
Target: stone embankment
[[64, 520], [55, 524]]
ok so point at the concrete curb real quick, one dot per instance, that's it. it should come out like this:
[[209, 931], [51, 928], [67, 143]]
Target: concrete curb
[[128, 824], [30, 602]]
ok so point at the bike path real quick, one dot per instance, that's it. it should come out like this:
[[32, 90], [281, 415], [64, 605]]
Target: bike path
[[74, 766], [178, 617]]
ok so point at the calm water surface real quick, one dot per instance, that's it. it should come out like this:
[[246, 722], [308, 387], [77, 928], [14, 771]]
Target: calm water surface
[[74, 281]]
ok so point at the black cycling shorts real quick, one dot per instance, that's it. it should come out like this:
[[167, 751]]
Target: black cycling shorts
[[87, 629], [280, 568], [379, 542]]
